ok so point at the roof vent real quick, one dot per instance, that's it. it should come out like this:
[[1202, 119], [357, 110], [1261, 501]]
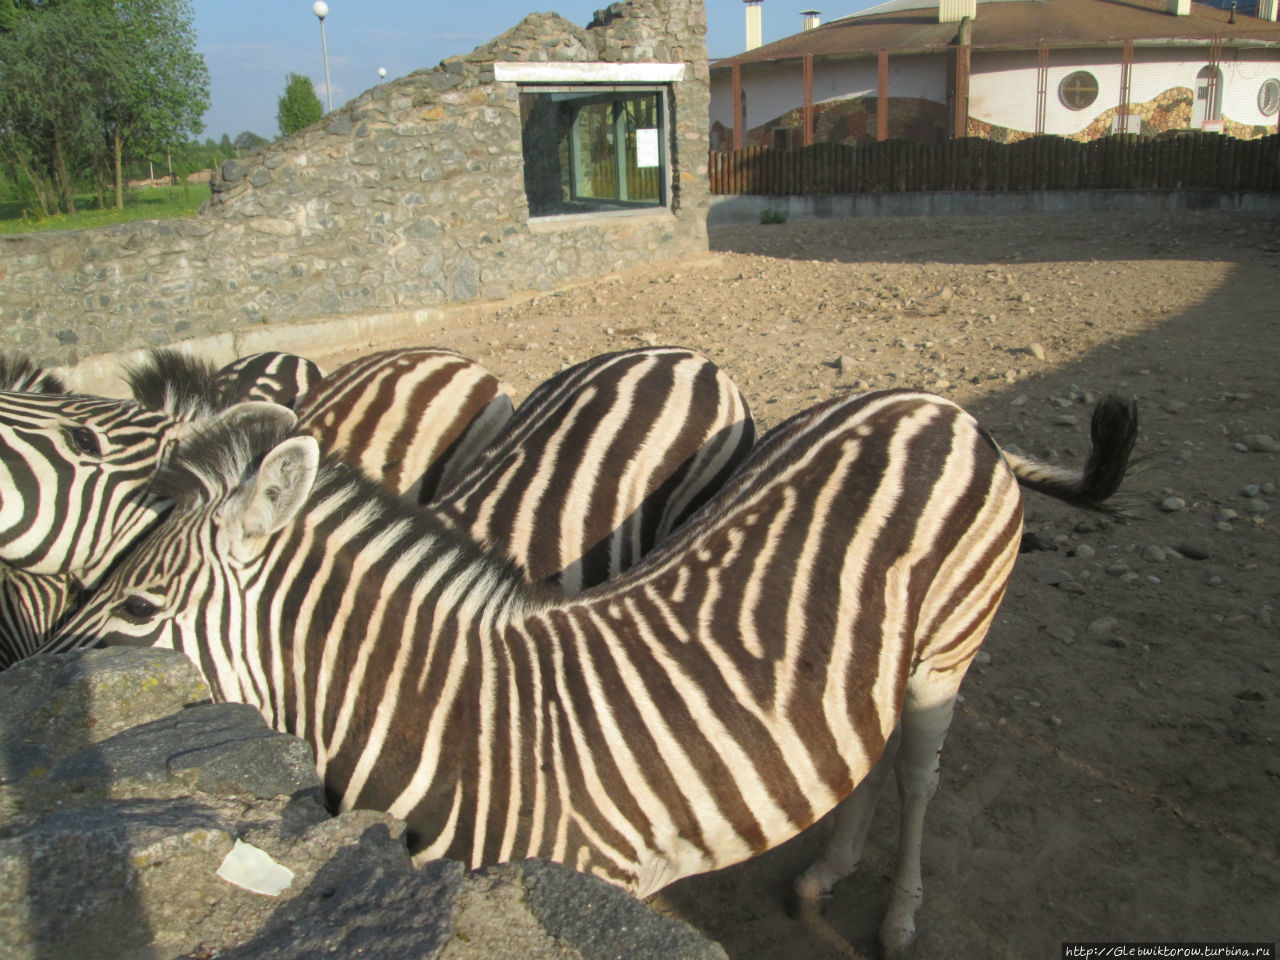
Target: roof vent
[[953, 11], [812, 18], [1179, 8], [753, 24]]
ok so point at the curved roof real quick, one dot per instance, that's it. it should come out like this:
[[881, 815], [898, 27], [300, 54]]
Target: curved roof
[[1015, 24]]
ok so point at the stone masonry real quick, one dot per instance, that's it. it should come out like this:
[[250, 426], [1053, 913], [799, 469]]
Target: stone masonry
[[408, 199], [123, 791]]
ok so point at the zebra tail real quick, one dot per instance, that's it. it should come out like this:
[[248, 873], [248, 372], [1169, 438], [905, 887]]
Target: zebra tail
[[1112, 435]]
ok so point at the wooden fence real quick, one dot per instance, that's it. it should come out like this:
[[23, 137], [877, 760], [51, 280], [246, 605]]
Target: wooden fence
[[1123, 162]]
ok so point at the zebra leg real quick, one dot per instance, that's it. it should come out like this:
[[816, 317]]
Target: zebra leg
[[923, 728], [843, 849]]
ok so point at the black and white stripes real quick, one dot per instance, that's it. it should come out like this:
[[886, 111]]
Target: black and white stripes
[[74, 479], [31, 608], [410, 418], [602, 462], [814, 618]]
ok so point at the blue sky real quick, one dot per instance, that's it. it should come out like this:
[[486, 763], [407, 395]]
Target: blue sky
[[250, 46]]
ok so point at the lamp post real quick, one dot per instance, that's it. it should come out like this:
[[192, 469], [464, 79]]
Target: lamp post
[[321, 10], [382, 74]]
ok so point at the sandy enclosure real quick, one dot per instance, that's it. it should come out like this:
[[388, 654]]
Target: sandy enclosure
[[1112, 773]]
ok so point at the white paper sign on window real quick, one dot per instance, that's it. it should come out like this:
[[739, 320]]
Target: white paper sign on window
[[647, 147]]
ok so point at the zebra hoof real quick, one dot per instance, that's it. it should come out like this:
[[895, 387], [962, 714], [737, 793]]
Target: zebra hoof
[[898, 944]]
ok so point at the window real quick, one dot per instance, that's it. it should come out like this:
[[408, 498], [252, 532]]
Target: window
[[592, 150], [1269, 97], [1206, 109], [1078, 90]]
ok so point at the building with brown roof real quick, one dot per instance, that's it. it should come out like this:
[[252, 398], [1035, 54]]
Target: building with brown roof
[[1004, 69]]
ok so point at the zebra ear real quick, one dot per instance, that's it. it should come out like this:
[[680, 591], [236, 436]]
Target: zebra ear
[[269, 500]]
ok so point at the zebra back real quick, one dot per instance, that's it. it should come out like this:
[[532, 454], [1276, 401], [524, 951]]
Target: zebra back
[[410, 418], [698, 709], [273, 377], [601, 462]]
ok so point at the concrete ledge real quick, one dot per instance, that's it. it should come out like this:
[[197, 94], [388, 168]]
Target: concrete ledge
[[101, 373], [747, 209]]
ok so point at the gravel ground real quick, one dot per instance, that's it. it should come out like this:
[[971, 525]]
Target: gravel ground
[[1112, 773]]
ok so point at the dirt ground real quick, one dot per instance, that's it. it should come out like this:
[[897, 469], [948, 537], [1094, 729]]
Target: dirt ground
[[1112, 773]]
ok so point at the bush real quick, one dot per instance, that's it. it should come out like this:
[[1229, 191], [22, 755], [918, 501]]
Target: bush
[[773, 216]]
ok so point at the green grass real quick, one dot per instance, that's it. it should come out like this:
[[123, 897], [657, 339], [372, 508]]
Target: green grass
[[152, 203]]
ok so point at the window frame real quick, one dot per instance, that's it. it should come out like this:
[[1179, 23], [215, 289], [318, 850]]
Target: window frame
[[1075, 75], [593, 93], [1269, 97]]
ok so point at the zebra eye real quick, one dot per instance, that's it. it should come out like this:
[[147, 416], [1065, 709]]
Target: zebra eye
[[137, 609], [83, 440]]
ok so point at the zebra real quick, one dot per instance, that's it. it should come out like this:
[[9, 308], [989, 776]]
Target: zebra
[[686, 426], [410, 418], [275, 377], [802, 633], [659, 429], [190, 387], [31, 608], [76, 473], [602, 462], [30, 605], [170, 381]]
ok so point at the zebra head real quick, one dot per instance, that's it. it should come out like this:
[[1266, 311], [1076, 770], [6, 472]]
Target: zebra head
[[232, 488], [74, 472], [76, 475]]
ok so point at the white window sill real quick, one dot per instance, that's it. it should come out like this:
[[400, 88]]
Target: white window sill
[[566, 221]]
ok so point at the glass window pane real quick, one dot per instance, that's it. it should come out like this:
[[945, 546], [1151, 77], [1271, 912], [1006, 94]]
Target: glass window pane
[[592, 151]]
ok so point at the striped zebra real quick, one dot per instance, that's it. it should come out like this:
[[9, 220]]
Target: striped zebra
[[664, 424], [807, 629], [76, 474], [189, 387], [31, 605], [409, 418], [31, 608], [274, 377], [602, 462]]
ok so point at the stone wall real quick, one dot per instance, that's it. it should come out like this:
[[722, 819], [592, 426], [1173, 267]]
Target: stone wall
[[126, 800], [409, 198]]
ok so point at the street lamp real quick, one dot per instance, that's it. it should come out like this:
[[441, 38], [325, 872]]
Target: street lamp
[[382, 74], [321, 10]]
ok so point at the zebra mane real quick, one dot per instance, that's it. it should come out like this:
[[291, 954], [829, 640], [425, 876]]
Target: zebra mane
[[20, 374], [183, 386], [220, 456]]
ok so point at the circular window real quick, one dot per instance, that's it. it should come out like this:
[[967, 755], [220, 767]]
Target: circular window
[[1078, 90], [1269, 97]]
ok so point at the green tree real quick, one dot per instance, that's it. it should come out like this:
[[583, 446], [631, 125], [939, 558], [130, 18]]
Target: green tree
[[156, 86], [82, 79], [52, 58], [299, 106]]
